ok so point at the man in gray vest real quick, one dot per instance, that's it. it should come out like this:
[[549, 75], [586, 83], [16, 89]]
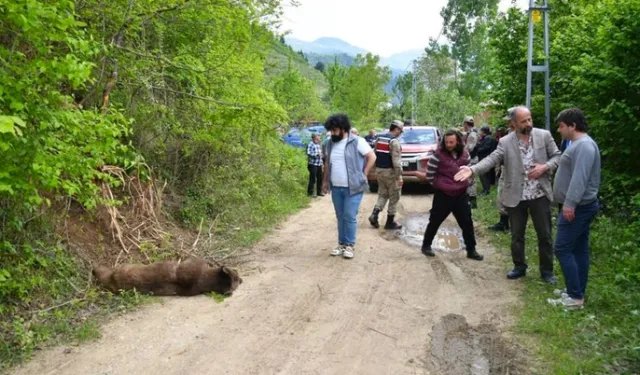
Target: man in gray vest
[[529, 155], [349, 160], [389, 175]]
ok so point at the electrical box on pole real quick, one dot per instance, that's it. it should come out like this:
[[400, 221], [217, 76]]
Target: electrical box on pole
[[536, 12]]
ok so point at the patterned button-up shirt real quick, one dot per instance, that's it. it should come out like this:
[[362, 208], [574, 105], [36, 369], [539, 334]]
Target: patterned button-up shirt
[[531, 188], [313, 152]]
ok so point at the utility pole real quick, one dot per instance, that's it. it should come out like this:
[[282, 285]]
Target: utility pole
[[414, 92], [535, 12]]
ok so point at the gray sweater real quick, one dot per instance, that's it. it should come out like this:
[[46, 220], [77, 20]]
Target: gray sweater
[[578, 176]]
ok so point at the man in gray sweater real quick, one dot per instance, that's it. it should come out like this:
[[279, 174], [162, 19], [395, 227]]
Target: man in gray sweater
[[575, 187]]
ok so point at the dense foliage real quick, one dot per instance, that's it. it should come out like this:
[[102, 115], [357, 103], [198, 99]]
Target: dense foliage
[[358, 89], [172, 89], [593, 49]]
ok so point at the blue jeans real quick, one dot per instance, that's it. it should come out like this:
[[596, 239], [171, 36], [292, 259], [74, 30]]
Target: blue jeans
[[346, 207], [572, 248]]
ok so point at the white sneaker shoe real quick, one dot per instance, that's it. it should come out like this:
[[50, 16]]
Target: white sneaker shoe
[[348, 252], [339, 250], [560, 292], [567, 302]]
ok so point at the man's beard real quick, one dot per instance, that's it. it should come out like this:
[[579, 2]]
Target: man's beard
[[526, 130], [337, 138]]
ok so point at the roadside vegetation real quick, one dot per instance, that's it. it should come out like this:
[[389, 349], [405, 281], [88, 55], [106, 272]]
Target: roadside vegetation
[[603, 338]]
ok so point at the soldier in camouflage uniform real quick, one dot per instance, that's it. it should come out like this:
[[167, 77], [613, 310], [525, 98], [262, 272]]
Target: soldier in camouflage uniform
[[471, 139], [389, 174]]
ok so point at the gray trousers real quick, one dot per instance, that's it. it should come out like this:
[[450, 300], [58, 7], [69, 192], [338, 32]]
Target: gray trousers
[[540, 211]]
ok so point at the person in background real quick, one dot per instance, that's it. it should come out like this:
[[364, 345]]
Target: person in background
[[503, 224], [349, 160], [314, 165], [470, 140], [354, 131], [450, 195], [529, 155], [575, 186], [325, 143], [389, 175], [564, 145], [486, 146], [371, 138]]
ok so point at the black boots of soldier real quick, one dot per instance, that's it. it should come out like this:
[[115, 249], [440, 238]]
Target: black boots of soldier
[[373, 219], [391, 224], [502, 226]]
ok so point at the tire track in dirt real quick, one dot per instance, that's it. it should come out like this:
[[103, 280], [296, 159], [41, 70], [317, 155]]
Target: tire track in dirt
[[300, 311]]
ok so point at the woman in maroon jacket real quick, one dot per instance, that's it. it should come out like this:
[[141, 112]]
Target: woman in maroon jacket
[[450, 196]]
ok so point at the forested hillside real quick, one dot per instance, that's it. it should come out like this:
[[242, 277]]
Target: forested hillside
[[122, 122]]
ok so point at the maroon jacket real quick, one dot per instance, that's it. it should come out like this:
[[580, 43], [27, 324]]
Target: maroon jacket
[[441, 169]]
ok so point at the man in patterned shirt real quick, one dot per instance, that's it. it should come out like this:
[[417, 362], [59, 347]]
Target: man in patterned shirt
[[314, 153], [529, 156]]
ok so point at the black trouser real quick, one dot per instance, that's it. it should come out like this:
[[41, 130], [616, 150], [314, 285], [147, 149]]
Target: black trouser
[[485, 179], [442, 206], [315, 177], [540, 211]]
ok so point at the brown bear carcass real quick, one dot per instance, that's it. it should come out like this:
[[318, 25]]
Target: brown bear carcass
[[170, 278]]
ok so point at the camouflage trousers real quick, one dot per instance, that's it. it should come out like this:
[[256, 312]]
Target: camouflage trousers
[[472, 190], [388, 190]]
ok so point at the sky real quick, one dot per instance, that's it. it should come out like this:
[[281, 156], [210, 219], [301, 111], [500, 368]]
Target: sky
[[383, 27]]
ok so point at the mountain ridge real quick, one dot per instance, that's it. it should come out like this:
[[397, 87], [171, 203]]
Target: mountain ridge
[[337, 46]]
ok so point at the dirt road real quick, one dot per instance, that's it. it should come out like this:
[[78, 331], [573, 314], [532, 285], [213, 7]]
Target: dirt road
[[390, 310]]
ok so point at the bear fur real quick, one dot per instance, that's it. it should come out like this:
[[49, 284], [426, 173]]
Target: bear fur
[[170, 278]]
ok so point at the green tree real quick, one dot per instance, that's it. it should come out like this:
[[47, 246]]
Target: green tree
[[506, 73], [297, 95], [594, 48], [439, 100], [358, 90]]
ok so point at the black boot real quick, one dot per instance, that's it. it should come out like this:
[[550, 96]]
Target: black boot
[[392, 224], [428, 251], [373, 219], [473, 202], [474, 255], [502, 226]]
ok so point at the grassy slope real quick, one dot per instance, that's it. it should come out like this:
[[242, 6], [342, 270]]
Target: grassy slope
[[604, 338], [278, 61]]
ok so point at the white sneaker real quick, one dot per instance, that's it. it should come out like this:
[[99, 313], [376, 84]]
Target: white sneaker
[[348, 252], [567, 302], [560, 292], [572, 304], [339, 250]]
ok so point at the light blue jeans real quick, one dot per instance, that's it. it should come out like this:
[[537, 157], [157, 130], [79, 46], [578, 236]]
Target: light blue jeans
[[346, 207]]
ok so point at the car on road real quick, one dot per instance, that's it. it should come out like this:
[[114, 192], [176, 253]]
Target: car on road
[[300, 137], [418, 144]]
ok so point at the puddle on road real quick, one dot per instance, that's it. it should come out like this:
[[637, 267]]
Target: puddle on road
[[460, 349], [448, 239]]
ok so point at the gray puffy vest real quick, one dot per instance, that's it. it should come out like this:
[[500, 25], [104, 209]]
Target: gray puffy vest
[[355, 165]]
